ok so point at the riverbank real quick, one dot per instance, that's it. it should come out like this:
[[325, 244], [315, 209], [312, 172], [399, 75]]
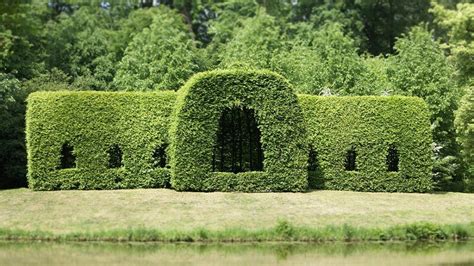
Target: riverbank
[[169, 216], [282, 232]]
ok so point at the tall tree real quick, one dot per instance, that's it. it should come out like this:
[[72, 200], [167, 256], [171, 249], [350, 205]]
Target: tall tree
[[12, 145], [456, 29], [80, 45], [385, 20], [161, 57], [254, 44], [322, 59], [465, 129], [21, 39]]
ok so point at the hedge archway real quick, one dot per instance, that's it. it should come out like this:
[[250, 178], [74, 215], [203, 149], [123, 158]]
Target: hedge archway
[[195, 120]]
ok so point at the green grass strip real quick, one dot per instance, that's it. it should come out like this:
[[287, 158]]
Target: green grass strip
[[283, 231]]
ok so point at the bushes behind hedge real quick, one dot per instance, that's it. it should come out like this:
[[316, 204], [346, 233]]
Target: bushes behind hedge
[[91, 123], [369, 128]]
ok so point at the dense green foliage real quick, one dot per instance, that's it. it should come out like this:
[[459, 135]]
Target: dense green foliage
[[12, 156], [455, 27], [193, 132], [253, 44], [325, 60], [465, 129], [91, 124], [92, 140], [160, 57], [370, 127], [419, 48]]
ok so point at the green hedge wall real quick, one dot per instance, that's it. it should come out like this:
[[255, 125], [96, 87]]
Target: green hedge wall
[[193, 131], [370, 125], [91, 122], [187, 123]]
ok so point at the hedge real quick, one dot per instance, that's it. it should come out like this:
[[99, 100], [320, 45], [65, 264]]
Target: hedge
[[199, 106], [370, 126], [91, 123], [112, 140]]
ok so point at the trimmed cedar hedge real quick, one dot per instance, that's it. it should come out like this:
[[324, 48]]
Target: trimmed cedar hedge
[[132, 126], [104, 140], [193, 131], [374, 130]]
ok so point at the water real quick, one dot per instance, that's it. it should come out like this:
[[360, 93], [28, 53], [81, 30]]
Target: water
[[37, 253]]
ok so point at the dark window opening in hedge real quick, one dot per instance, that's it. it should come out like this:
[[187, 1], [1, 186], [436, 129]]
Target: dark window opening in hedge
[[392, 160], [238, 147], [350, 163], [315, 173], [115, 156], [159, 156], [68, 159], [313, 163]]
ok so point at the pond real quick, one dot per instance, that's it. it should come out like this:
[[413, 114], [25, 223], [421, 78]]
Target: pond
[[37, 253]]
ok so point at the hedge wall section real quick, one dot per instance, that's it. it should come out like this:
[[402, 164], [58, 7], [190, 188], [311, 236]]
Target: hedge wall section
[[340, 143], [91, 123], [193, 132], [370, 126]]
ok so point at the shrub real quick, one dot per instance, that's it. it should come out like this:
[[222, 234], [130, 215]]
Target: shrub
[[100, 129], [354, 138], [426, 231]]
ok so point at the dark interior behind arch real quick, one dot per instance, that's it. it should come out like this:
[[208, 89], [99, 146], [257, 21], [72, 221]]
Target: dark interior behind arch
[[237, 146]]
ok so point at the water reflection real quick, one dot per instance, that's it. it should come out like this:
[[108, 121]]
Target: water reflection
[[37, 253]]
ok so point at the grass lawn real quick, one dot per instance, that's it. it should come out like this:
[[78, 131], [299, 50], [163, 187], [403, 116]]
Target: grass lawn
[[63, 212]]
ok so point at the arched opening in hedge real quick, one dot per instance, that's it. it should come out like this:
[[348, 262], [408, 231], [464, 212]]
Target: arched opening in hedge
[[238, 147], [115, 156], [159, 156], [392, 159], [68, 159], [350, 162], [195, 128]]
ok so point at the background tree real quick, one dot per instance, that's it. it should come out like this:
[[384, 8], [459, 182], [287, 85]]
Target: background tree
[[465, 129], [323, 58], [222, 24], [456, 29], [386, 20], [254, 44], [344, 13], [161, 57], [12, 146], [21, 43], [81, 45]]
